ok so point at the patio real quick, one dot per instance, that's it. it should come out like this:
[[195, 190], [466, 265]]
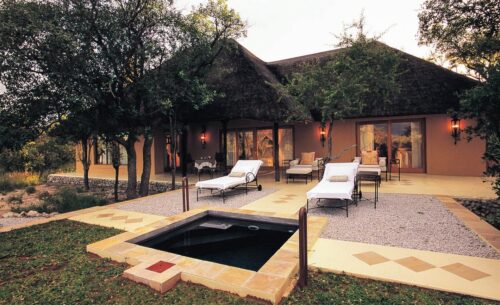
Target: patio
[[451, 265]]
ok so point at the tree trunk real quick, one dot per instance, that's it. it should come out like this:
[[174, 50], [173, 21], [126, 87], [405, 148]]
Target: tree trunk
[[117, 172], [86, 147], [131, 166], [146, 164], [330, 139]]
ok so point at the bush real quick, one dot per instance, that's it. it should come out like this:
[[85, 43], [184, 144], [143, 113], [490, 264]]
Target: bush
[[65, 200], [30, 189], [15, 199], [11, 182]]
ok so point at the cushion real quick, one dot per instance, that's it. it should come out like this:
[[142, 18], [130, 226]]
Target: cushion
[[242, 169], [307, 158], [369, 157], [338, 178], [237, 174]]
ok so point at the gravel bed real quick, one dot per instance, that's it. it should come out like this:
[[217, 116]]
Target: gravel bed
[[408, 221], [171, 202], [4, 222]]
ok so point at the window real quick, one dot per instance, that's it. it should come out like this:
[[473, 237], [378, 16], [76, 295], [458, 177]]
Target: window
[[103, 153], [403, 140]]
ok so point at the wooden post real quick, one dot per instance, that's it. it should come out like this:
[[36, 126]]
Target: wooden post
[[224, 145], [183, 196], [276, 154], [183, 151], [302, 247]]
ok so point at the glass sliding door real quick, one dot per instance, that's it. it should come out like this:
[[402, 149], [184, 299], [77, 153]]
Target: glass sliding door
[[373, 137], [407, 144], [258, 144], [285, 139], [245, 145], [403, 140], [265, 146], [232, 156]]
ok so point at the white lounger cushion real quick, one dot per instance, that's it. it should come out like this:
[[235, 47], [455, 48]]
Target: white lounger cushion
[[226, 182], [221, 183], [335, 190], [331, 190]]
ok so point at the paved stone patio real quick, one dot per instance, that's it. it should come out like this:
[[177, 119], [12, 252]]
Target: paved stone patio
[[442, 271]]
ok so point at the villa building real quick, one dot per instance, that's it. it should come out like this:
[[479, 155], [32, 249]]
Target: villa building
[[250, 118]]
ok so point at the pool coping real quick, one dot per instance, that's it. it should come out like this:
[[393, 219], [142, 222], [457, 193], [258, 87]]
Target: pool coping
[[274, 280]]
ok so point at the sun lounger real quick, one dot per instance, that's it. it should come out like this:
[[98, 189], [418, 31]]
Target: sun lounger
[[243, 174], [341, 190]]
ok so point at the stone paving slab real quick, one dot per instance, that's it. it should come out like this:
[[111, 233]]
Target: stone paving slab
[[479, 277]]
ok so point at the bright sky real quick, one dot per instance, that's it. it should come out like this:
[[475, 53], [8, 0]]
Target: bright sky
[[280, 29]]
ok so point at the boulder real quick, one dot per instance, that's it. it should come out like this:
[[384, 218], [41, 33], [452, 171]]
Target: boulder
[[33, 213]]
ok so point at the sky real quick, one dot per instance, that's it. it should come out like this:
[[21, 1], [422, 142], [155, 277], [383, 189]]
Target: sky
[[279, 29]]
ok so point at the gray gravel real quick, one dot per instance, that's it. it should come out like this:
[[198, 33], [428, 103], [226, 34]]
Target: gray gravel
[[408, 221], [171, 203], [4, 222]]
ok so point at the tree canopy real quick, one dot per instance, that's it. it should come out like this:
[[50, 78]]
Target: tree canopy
[[109, 67], [467, 34], [362, 75]]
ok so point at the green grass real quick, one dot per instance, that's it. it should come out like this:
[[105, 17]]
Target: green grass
[[47, 264]]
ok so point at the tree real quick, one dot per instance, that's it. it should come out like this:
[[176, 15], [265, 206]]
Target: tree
[[98, 61], [362, 75], [466, 33]]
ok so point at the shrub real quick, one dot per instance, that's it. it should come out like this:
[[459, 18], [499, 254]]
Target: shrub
[[15, 199], [11, 182], [65, 200], [30, 189]]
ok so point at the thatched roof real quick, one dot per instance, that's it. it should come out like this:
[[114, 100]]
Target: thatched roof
[[426, 88], [250, 87], [247, 90]]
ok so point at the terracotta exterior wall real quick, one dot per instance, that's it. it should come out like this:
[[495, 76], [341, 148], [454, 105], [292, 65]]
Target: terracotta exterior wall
[[105, 170], [442, 156], [446, 158]]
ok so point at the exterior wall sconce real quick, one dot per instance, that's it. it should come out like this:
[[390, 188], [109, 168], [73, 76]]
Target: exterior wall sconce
[[203, 136], [455, 129], [168, 139], [322, 135]]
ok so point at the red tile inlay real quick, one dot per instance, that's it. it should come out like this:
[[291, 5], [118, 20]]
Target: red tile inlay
[[160, 266]]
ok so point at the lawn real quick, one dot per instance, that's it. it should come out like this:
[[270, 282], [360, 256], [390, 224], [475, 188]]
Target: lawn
[[47, 264]]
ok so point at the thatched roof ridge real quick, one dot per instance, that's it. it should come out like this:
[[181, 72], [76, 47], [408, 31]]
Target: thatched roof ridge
[[426, 88]]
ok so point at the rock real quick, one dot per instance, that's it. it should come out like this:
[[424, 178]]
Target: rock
[[53, 214], [45, 215], [32, 214], [22, 214], [9, 215]]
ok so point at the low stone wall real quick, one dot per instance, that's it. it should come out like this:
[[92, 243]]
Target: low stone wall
[[154, 186]]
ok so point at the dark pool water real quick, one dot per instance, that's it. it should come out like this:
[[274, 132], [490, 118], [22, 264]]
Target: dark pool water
[[240, 243]]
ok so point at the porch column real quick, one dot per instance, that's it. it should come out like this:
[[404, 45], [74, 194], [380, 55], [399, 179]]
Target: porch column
[[224, 145], [276, 154], [183, 150]]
